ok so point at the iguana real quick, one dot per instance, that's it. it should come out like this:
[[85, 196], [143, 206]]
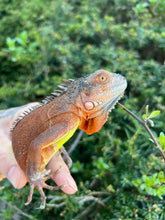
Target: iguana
[[42, 131]]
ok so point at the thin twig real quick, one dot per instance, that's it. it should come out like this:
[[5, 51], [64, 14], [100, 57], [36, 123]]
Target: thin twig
[[75, 143], [56, 205], [99, 193], [144, 124], [19, 211], [85, 212], [155, 7], [81, 200]]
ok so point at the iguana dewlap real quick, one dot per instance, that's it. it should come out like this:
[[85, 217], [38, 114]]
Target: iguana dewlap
[[41, 132]]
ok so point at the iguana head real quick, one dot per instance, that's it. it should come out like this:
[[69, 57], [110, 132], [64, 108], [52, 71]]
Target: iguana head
[[98, 93], [90, 97]]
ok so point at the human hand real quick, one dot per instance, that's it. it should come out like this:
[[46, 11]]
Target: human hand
[[8, 164]]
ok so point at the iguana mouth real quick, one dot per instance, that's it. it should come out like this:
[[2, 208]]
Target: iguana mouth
[[109, 105]]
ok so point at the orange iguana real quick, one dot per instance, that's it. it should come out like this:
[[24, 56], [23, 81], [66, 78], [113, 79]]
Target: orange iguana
[[41, 132]]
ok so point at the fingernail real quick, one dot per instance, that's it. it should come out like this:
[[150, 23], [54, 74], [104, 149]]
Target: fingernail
[[74, 187], [14, 175], [71, 182]]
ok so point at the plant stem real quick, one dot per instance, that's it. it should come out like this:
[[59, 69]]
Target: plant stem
[[75, 142], [144, 124]]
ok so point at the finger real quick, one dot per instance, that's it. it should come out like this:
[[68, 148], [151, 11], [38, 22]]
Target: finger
[[12, 172], [16, 176], [8, 164], [63, 176]]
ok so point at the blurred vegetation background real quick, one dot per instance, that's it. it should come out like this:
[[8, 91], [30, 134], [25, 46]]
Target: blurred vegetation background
[[120, 175]]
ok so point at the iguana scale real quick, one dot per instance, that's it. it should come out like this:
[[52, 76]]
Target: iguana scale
[[42, 131]]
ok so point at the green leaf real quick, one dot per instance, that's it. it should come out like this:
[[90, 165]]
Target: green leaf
[[162, 140], [137, 182], [10, 42], [14, 59], [144, 116], [161, 176], [147, 106], [77, 167], [100, 164], [154, 114], [24, 38]]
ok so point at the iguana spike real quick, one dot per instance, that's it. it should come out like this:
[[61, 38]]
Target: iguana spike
[[65, 85], [58, 91], [55, 94], [62, 87], [29, 110], [68, 80], [48, 99]]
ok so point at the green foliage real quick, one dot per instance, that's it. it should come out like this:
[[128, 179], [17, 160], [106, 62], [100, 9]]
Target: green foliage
[[152, 185], [162, 140], [147, 116], [153, 114], [43, 42], [20, 50]]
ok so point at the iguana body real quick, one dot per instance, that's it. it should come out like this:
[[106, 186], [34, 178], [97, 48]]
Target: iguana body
[[85, 103]]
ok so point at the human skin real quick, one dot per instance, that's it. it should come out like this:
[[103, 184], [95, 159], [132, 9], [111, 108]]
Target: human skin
[[8, 164]]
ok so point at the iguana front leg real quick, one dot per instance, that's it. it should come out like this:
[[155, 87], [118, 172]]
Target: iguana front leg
[[41, 151], [39, 183]]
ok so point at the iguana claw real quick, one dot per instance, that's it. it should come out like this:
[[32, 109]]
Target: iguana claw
[[40, 184]]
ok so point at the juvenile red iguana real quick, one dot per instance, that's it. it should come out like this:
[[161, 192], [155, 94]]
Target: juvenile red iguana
[[42, 131]]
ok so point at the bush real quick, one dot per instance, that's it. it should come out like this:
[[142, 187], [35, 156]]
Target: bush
[[43, 42]]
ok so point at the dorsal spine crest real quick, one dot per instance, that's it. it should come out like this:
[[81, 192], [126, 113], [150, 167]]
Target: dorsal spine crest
[[48, 99]]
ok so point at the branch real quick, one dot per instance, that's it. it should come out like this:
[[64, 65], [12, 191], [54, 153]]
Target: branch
[[75, 142], [56, 205], [17, 210], [144, 124], [85, 212], [81, 199]]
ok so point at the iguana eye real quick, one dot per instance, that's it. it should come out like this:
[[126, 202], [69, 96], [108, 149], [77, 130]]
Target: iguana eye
[[102, 78]]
